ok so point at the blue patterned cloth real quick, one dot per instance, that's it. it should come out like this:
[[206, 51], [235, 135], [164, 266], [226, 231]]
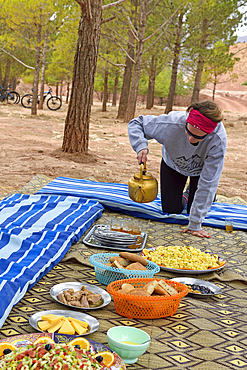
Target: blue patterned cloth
[[36, 231], [115, 197]]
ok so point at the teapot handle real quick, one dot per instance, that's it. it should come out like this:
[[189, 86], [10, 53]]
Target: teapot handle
[[143, 169]]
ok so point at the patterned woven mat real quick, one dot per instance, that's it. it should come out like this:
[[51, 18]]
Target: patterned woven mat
[[203, 333], [230, 246]]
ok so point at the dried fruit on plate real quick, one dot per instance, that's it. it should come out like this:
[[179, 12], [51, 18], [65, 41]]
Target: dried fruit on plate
[[199, 289]]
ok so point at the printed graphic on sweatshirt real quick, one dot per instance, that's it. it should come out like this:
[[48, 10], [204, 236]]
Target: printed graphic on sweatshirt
[[193, 164]]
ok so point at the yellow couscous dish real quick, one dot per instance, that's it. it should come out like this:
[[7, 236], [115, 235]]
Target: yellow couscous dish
[[182, 257]]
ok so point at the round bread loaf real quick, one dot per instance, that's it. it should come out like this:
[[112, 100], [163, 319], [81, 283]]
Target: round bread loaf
[[133, 258]]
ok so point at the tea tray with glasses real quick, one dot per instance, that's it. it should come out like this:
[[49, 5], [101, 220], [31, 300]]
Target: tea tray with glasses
[[101, 236]]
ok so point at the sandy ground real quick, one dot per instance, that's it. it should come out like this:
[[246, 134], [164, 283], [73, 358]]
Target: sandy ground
[[32, 145]]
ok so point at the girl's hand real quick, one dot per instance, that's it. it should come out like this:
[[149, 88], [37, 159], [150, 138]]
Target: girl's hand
[[200, 233], [142, 156]]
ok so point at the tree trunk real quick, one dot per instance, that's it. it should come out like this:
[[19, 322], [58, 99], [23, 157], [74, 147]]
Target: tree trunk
[[151, 85], [76, 132], [43, 65], [150, 94], [130, 113], [173, 83], [13, 83], [105, 93], [61, 90], [1, 76], [67, 93], [36, 73], [214, 88], [200, 65], [123, 102], [7, 73], [114, 96], [197, 83], [57, 86]]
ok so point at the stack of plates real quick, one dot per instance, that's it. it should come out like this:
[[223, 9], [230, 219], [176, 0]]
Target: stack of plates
[[114, 238]]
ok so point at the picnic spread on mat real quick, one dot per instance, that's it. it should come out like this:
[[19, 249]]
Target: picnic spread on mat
[[54, 254]]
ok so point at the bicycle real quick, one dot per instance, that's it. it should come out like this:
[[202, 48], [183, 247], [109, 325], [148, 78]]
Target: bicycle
[[11, 96], [53, 103]]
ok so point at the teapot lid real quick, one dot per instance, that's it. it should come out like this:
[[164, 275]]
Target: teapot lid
[[146, 176]]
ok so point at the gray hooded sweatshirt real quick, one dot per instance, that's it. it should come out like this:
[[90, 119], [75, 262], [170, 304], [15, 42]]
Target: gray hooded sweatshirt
[[205, 160]]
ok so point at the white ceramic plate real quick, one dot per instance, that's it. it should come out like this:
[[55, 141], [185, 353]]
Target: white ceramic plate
[[215, 289], [59, 288], [92, 322]]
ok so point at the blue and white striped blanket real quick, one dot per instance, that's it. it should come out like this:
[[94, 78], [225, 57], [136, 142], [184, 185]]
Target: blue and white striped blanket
[[36, 231], [115, 197]]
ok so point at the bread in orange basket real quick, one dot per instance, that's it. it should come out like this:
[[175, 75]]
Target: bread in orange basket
[[168, 288], [126, 288], [149, 287], [154, 287], [159, 290], [140, 291]]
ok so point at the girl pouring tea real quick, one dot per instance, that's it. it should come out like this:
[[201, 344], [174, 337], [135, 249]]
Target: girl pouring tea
[[193, 143]]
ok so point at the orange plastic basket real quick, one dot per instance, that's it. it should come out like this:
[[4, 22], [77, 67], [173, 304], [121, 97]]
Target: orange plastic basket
[[140, 307]]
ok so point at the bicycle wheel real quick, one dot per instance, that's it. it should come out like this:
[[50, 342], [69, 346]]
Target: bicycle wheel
[[19, 98], [54, 103], [13, 97], [2, 97], [26, 100]]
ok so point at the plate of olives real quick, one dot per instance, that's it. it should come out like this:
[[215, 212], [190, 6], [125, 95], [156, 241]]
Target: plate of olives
[[199, 288]]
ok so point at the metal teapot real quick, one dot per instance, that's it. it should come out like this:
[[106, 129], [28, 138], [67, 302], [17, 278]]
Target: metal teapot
[[143, 187]]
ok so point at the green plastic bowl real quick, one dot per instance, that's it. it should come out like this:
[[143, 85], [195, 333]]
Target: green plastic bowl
[[128, 352]]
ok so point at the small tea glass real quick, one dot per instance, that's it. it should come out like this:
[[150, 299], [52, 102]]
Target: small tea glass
[[116, 224], [229, 221], [127, 225], [136, 228]]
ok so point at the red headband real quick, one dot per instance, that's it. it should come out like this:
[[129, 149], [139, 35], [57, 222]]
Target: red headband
[[198, 120]]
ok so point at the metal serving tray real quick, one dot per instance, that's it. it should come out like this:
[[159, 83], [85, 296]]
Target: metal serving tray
[[91, 241]]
